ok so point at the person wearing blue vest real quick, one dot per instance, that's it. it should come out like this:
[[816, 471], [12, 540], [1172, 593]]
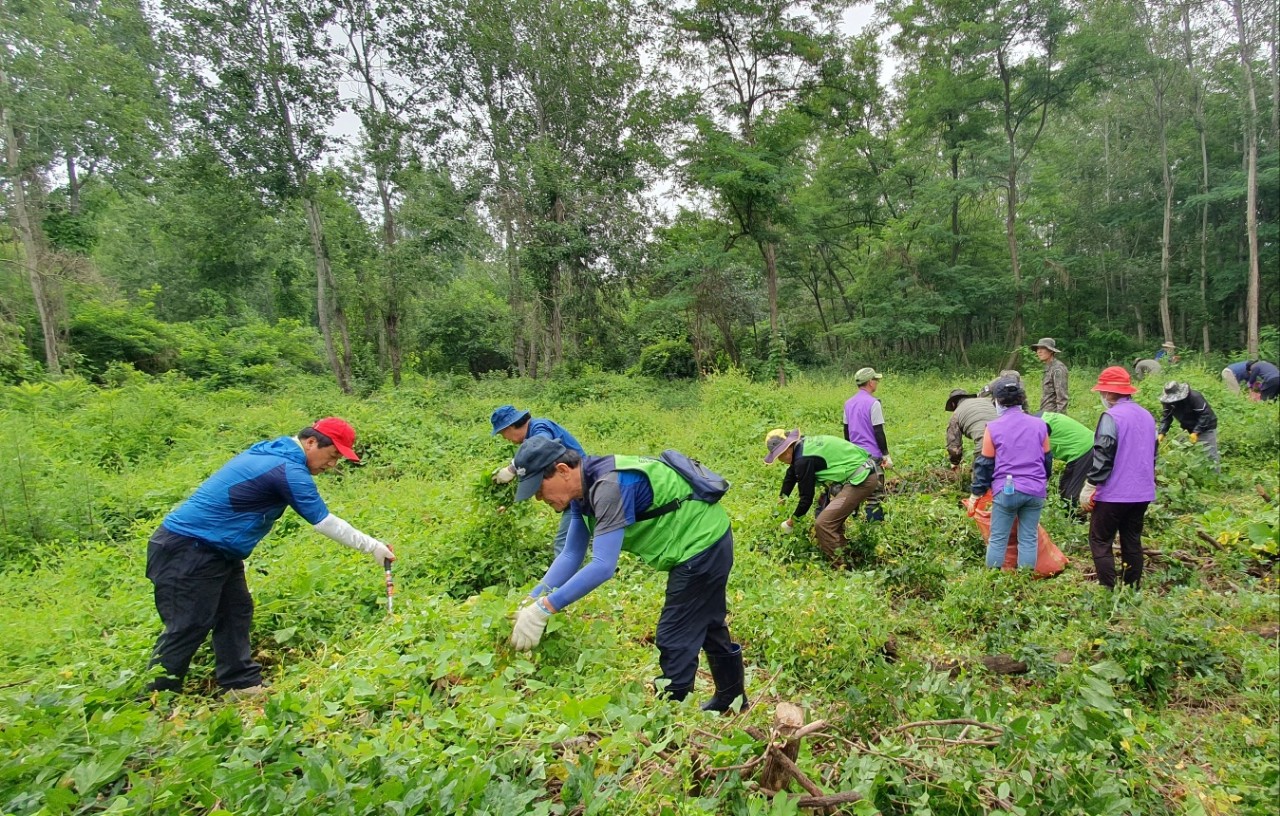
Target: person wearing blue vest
[[639, 505], [195, 559], [516, 426], [1015, 464], [1263, 379], [864, 427], [1235, 374], [1122, 479]]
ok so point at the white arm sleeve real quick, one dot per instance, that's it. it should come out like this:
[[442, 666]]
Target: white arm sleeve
[[343, 533]]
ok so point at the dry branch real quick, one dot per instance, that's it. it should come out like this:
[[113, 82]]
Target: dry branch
[[793, 770], [926, 723], [788, 718], [830, 800]]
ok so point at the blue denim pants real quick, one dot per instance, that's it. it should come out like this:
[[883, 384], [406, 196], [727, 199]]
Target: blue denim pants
[[1004, 509]]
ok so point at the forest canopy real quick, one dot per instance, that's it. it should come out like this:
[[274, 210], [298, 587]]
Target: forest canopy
[[231, 188]]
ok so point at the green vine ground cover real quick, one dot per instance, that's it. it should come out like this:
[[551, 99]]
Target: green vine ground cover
[[1166, 702]]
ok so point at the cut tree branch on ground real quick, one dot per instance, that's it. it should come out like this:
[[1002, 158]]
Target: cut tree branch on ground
[[930, 723]]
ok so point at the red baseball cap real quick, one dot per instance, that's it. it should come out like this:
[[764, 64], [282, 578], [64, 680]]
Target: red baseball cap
[[1115, 380], [342, 434]]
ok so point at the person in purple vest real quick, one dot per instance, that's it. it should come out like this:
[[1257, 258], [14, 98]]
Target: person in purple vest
[[1121, 480], [864, 427], [1015, 464]]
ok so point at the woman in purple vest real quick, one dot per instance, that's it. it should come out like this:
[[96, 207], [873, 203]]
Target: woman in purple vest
[[1015, 463], [1121, 480]]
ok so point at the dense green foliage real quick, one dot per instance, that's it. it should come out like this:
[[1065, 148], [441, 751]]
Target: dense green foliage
[[464, 186], [1163, 702]]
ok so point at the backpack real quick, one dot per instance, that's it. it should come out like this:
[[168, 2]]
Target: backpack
[[705, 485]]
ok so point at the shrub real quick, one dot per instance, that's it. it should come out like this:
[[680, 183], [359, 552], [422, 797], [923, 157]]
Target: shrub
[[103, 333], [672, 359]]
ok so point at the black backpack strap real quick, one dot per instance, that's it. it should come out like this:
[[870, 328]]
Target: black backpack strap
[[662, 509]]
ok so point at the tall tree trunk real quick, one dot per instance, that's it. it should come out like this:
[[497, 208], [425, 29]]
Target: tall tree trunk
[[1016, 330], [955, 202], [770, 254], [73, 184], [1251, 197], [29, 233], [1197, 94], [1275, 82], [391, 308], [1166, 230], [323, 306]]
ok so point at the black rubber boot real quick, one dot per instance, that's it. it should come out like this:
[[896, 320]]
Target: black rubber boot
[[727, 671]]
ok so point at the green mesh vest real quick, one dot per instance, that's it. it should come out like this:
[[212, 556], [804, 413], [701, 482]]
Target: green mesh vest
[[669, 540], [846, 462], [1068, 439]]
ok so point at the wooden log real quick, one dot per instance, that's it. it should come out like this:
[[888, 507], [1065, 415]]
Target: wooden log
[[829, 800], [788, 718], [1003, 664], [1262, 491]]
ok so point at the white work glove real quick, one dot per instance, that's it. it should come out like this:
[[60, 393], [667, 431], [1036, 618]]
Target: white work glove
[[971, 504], [1086, 496], [504, 474], [788, 526], [531, 622], [381, 553], [886, 462], [348, 536]]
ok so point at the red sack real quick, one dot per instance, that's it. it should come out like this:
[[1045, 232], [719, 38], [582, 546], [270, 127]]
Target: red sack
[[1049, 559]]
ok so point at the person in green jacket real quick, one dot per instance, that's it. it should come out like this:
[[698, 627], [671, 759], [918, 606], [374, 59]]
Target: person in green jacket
[[1070, 442], [836, 464], [639, 505]]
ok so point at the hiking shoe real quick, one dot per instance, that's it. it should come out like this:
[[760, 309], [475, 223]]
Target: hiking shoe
[[248, 693]]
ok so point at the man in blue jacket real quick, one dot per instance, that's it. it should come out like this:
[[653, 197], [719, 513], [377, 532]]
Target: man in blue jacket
[[1263, 379], [516, 426], [195, 558]]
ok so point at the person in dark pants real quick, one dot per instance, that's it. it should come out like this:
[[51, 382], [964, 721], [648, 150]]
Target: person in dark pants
[[864, 427], [1235, 374], [195, 559], [1122, 479], [1263, 379], [516, 426], [970, 415], [1194, 414], [642, 506], [1070, 442], [1053, 390], [847, 472]]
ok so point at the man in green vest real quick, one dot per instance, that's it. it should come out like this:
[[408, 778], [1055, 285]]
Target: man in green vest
[[1070, 442], [836, 464], [642, 506]]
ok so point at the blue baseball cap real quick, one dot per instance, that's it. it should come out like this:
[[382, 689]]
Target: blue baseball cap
[[533, 458], [504, 416]]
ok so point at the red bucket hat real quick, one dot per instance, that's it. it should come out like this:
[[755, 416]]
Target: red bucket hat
[[341, 434], [1115, 380]]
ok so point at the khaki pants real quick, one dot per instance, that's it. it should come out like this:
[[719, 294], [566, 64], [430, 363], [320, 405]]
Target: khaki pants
[[830, 523]]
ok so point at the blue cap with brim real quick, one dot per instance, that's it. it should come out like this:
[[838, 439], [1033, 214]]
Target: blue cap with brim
[[504, 416], [532, 460]]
